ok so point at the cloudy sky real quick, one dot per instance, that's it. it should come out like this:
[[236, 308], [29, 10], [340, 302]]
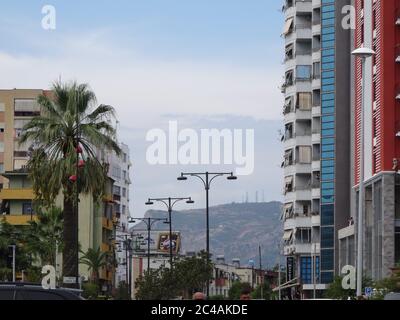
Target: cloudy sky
[[204, 63]]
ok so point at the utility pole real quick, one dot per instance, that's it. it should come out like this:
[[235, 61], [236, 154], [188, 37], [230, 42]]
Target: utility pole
[[207, 178], [261, 272]]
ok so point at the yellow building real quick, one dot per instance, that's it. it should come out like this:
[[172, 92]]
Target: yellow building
[[96, 220]]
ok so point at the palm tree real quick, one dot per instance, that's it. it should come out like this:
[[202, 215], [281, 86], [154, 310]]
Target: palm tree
[[68, 131], [94, 260], [44, 236]]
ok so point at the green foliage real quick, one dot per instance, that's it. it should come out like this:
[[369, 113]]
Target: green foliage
[[266, 292], [69, 110], [336, 291], [236, 290], [188, 275], [90, 291], [43, 238], [122, 292], [94, 259], [12, 235], [388, 285]]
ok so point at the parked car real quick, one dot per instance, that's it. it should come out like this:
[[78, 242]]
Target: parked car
[[30, 291], [393, 296]]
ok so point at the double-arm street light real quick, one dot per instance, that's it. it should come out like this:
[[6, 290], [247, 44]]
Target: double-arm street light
[[149, 222], [169, 203], [207, 178], [363, 54]]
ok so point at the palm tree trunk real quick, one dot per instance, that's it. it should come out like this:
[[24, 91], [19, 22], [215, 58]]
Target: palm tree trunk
[[70, 235]]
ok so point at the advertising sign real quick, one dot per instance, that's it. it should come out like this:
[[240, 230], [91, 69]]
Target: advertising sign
[[159, 242]]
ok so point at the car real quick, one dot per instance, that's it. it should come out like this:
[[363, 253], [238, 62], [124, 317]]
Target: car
[[393, 296], [32, 291]]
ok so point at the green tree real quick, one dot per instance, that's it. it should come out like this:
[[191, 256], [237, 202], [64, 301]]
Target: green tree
[[94, 259], [70, 124], [236, 289], [189, 274], [44, 236], [336, 291], [266, 291], [194, 273], [11, 235]]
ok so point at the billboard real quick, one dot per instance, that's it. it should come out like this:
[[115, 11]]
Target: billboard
[[159, 242]]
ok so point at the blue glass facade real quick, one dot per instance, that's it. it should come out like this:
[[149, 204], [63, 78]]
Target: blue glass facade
[[306, 270], [327, 139]]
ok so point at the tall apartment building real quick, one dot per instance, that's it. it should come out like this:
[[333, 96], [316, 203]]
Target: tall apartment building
[[97, 222], [316, 140], [377, 27], [120, 167]]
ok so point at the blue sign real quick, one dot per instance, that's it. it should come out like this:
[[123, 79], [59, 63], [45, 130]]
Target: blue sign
[[368, 292]]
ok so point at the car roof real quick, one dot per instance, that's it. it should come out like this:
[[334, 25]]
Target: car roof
[[30, 285]]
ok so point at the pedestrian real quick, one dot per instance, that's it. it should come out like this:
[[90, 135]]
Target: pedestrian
[[245, 294], [199, 296]]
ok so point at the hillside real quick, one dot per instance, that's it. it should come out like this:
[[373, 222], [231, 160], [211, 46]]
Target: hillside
[[236, 230]]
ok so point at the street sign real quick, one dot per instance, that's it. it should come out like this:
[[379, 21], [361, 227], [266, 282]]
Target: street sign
[[368, 292], [69, 280]]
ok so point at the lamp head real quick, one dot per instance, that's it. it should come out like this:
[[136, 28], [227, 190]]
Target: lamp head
[[182, 178], [190, 201], [149, 203], [363, 53]]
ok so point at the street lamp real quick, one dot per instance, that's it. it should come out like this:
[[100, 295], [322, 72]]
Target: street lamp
[[149, 223], [207, 178], [170, 203], [363, 54]]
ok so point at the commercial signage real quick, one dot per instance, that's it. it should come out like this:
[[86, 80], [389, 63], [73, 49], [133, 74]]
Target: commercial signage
[[159, 242]]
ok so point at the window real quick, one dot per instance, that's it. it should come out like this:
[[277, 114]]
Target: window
[[288, 184], [307, 270], [317, 70], [289, 78], [288, 158], [125, 157], [124, 174], [26, 108], [124, 192], [38, 295], [27, 208], [289, 52], [305, 154], [123, 209], [1, 167], [116, 172], [303, 72], [117, 190], [304, 100], [6, 294]]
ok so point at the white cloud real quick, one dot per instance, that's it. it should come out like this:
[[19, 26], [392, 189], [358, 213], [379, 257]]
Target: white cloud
[[137, 86]]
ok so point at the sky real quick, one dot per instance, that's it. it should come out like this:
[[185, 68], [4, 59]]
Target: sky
[[203, 63]]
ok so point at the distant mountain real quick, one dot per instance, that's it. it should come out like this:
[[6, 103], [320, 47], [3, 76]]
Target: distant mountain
[[236, 230]]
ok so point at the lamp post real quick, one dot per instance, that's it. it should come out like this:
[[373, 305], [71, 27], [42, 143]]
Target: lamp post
[[149, 224], [363, 54], [170, 203], [207, 178]]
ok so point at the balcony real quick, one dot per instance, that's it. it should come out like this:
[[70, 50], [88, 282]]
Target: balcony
[[298, 248], [298, 194], [19, 220], [298, 222], [17, 194], [107, 224], [106, 247]]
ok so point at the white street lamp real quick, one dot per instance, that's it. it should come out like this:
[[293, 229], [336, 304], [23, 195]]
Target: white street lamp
[[363, 54]]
